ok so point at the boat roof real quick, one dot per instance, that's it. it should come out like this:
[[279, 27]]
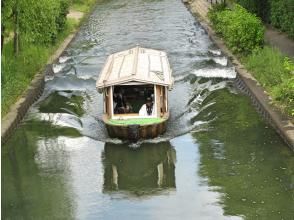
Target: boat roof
[[136, 66]]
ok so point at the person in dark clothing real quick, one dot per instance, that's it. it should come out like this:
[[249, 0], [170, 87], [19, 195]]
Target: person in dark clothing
[[120, 106], [149, 106]]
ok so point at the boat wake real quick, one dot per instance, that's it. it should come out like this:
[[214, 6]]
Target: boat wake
[[69, 100]]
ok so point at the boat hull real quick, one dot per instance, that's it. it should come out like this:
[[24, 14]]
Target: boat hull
[[136, 132]]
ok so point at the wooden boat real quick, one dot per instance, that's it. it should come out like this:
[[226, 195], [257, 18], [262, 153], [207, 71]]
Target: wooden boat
[[135, 86]]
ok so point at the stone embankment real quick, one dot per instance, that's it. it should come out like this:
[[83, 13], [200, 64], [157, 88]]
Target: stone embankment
[[244, 80]]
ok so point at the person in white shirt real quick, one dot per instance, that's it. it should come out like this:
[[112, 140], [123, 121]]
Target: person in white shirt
[[147, 109]]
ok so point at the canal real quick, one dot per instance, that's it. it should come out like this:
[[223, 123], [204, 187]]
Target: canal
[[217, 160]]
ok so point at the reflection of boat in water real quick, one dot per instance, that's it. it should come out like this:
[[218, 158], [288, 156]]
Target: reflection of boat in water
[[143, 170], [135, 86]]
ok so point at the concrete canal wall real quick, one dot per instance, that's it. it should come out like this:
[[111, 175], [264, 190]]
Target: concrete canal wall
[[244, 80]]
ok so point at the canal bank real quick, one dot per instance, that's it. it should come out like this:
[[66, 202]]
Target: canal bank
[[244, 80], [19, 109]]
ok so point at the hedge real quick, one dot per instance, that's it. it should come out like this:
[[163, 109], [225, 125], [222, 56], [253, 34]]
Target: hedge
[[279, 13], [242, 31]]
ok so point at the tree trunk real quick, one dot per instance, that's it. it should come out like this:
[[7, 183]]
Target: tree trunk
[[2, 25], [2, 36], [16, 30]]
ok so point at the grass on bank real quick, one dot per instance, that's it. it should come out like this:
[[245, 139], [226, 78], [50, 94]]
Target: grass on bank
[[275, 73], [17, 72], [83, 5]]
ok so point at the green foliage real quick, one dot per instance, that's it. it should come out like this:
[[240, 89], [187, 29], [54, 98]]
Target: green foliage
[[61, 19], [17, 72], [280, 13], [83, 5], [39, 20], [43, 26], [6, 12], [217, 8], [276, 73], [242, 31], [258, 7]]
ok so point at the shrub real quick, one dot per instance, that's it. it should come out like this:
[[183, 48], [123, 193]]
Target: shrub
[[280, 13], [242, 31], [258, 7], [63, 11], [37, 21]]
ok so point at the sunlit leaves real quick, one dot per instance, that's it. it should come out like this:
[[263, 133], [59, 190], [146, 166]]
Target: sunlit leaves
[[39, 20], [242, 30]]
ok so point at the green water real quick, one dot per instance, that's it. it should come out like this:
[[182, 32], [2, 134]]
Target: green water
[[231, 168], [217, 160], [247, 162]]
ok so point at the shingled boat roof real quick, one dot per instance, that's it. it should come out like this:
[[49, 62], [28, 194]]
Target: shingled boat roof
[[134, 67]]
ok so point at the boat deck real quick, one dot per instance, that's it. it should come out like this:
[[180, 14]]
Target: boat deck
[[135, 121]]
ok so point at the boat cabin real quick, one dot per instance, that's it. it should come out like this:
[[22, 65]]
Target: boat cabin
[[135, 85]]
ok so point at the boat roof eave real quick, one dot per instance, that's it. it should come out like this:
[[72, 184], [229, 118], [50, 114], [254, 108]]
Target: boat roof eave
[[126, 82], [136, 64]]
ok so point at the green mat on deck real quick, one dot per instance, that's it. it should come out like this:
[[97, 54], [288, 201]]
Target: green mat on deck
[[137, 121]]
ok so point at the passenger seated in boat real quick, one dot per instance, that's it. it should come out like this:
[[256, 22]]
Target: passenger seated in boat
[[147, 109], [128, 108], [119, 103]]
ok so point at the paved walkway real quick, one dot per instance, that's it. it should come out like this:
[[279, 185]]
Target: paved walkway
[[200, 7], [272, 36], [279, 40], [77, 15]]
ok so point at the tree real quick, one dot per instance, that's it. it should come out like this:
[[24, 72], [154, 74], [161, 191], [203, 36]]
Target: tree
[[6, 16], [16, 28], [33, 21]]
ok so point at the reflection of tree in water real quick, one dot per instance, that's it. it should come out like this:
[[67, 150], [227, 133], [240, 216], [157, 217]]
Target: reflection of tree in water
[[246, 161], [63, 102], [31, 190], [147, 169], [34, 166]]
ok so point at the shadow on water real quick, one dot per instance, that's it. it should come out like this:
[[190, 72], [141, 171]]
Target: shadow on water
[[147, 170]]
